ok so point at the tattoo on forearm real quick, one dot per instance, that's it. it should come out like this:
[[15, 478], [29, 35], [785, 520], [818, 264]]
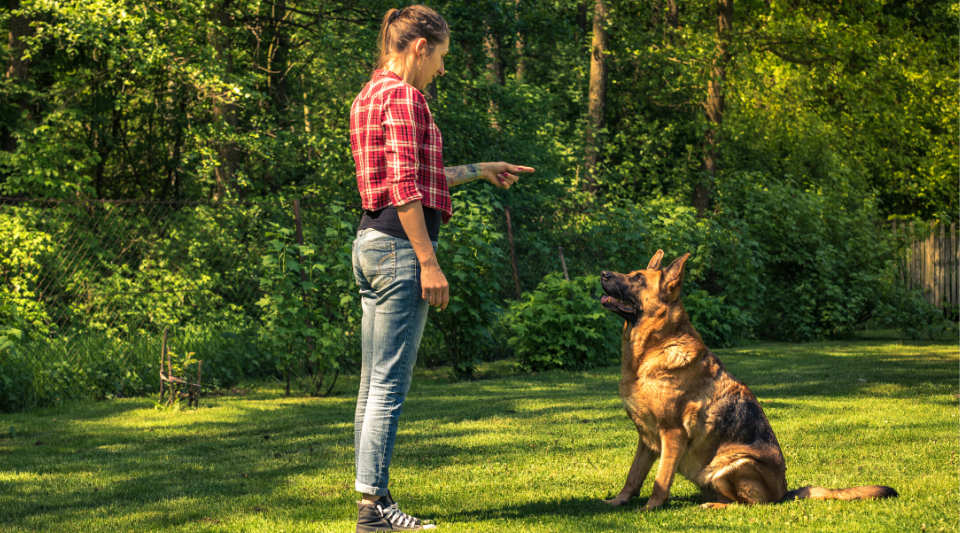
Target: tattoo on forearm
[[462, 174]]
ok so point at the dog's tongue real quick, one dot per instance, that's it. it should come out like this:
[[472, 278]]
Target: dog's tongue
[[604, 299]]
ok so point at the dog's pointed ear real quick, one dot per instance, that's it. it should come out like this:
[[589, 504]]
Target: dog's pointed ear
[[655, 262], [673, 278]]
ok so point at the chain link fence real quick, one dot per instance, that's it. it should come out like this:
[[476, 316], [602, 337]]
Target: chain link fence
[[97, 282]]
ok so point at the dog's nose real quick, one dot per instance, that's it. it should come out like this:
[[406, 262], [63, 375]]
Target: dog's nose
[[605, 275]]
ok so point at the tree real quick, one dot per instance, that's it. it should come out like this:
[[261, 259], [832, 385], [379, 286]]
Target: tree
[[598, 93], [714, 107]]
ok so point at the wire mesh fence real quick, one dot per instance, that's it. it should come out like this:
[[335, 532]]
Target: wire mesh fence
[[98, 282]]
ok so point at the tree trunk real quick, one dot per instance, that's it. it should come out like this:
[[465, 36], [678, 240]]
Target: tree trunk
[[598, 94], [582, 20], [491, 45], [277, 60], [714, 108], [18, 70], [673, 18], [519, 43], [224, 111]]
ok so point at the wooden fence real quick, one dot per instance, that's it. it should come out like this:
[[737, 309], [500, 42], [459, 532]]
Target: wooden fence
[[933, 264]]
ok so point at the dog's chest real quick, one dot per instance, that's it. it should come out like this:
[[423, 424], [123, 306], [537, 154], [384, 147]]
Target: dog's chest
[[643, 402]]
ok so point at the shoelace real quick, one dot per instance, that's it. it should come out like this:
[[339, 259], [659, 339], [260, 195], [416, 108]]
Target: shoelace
[[398, 517]]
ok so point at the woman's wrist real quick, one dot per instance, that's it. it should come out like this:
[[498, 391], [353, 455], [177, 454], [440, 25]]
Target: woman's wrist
[[463, 174]]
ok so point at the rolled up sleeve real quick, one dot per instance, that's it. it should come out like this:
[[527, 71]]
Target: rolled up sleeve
[[404, 124]]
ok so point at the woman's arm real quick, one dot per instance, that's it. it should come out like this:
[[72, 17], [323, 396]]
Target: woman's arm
[[432, 281], [499, 174]]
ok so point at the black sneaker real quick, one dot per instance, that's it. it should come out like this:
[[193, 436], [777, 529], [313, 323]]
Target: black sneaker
[[381, 516]]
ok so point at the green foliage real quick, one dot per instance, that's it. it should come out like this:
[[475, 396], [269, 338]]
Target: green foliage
[[913, 316], [561, 325], [309, 317], [807, 262], [16, 376], [718, 323], [471, 257], [25, 250], [838, 116]]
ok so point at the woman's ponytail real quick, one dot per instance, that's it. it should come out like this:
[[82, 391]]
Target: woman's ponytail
[[402, 26]]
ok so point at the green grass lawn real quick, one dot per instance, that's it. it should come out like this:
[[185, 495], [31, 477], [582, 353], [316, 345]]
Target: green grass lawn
[[508, 453]]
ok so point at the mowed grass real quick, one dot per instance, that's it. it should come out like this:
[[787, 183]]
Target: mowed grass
[[510, 453]]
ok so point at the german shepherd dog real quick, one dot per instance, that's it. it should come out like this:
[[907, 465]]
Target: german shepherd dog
[[689, 410]]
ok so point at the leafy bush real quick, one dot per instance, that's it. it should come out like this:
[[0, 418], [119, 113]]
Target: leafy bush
[[806, 262], [915, 317], [561, 325], [472, 259], [718, 323], [309, 314], [16, 377], [23, 251]]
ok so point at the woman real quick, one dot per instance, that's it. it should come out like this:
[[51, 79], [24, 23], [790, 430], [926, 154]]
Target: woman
[[405, 191]]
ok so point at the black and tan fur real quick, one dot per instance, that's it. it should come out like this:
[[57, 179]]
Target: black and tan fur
[[689, 410]]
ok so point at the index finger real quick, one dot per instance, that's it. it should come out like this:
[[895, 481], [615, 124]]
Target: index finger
[[518, 168]]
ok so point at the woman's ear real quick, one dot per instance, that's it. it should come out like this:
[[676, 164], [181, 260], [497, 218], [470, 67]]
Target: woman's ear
[[420, 46]]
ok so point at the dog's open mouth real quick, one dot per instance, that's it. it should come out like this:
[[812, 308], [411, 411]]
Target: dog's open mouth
[[609, 302]]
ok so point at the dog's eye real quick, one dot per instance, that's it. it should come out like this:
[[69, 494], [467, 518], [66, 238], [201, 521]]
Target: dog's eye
[[638, 277]]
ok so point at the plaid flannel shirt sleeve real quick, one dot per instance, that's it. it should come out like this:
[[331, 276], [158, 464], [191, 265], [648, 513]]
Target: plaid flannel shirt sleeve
[[405, 120]]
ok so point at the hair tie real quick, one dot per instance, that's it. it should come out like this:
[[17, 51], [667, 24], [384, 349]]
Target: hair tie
[[396, 14]]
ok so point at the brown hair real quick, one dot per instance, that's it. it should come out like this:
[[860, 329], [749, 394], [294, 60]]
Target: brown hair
[[403, 26]]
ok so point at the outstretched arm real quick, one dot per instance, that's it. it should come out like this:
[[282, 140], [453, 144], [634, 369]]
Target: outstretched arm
[[462, 174], [500, 174]]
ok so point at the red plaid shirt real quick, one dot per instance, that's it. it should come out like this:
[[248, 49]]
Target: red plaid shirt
[[397, 147]]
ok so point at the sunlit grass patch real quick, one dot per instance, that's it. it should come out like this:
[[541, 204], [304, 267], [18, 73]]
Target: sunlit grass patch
[[512, 452]]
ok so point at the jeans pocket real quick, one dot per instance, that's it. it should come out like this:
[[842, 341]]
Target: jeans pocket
[[378, 261]]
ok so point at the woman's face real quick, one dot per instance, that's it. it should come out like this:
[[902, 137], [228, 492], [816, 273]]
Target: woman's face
[[432, 65]]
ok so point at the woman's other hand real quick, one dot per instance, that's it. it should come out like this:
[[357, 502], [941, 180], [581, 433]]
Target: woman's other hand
[[434, 285], [502, 174]]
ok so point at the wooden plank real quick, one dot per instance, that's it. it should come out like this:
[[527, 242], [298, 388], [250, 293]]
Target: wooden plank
[[914, 261], [934, 270], [955, 264], [929, 268], [942, 265], [910, 258]]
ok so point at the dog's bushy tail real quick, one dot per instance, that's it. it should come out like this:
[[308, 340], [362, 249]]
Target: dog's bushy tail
[[853, 493]]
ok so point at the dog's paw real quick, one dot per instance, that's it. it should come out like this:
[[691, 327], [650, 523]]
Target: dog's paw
[[714, 505], [650, 507], [615, 502]]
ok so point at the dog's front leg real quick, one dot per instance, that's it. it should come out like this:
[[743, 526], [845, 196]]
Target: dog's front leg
[[673, 444], [638, 473]]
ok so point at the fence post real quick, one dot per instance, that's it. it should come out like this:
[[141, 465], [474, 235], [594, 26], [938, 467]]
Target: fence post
[[163, 352], [954, 266], [513, 252]]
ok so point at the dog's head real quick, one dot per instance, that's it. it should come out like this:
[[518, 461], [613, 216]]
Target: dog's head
[[643, 292]]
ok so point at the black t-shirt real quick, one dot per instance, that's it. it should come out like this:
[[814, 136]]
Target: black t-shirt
[[387, 220]]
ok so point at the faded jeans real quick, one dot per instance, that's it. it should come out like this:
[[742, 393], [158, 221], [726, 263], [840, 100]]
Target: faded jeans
[[394, 314]]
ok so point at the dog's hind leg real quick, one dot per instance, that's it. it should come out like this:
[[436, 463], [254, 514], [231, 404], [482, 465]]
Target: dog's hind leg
[[638, 473], [746, 486], [673, 446]]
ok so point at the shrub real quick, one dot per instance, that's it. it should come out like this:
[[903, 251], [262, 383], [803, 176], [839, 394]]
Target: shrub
[[16, 377], [806, 262], [309, 314], [472, 259], [718, 323], [915, 317], [561, 325]]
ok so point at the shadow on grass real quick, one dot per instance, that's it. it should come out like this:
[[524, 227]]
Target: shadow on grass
[[253, 451]]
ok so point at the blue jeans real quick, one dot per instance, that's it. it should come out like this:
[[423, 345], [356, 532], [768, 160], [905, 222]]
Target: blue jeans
[[394, 315]]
